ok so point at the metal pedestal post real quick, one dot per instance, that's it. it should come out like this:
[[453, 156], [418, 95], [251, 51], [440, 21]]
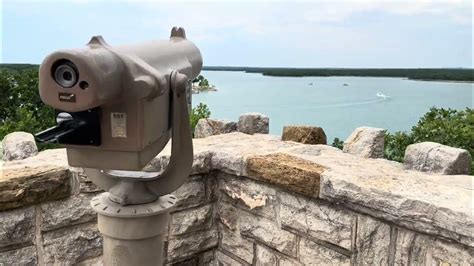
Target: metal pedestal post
[[133, 234]]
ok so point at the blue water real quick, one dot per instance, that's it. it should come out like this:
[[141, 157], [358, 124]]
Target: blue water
[[338, 109]]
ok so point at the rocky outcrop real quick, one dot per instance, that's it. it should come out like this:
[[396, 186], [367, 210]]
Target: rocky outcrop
[[304, 134], [207, 127], [437, 158], [251, 123], [18, 146], [367, 142]]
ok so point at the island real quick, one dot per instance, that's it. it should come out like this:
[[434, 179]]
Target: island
[[201, 84]]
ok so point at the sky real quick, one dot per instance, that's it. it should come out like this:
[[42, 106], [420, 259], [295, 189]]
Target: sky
[[294, 33]]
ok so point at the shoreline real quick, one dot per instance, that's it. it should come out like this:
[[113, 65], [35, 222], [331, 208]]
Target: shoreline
[[359, 76]]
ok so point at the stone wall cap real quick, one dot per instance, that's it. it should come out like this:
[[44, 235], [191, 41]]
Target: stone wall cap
[[430, 203]]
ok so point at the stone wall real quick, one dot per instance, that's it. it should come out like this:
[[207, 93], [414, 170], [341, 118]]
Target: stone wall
[[253, 200]]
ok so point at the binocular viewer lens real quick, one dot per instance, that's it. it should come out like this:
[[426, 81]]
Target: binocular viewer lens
[[65, 73]]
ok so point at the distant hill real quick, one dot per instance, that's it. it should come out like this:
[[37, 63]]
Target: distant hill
[[448, 74], [18, 67], [441, 74]]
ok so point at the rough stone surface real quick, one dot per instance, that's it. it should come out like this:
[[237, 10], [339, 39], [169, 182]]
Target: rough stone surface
[[437, 158], [33, 185], [235, 244], [317, 219], [268, 232], [97, 261], [17, 227], [23, 256], [82, 183], [208, 258], [61, 213], [201, 161], [227, 215], [286, 170], [314, 254], [72, 245], [425, 203], [417, 249], [191, 220], [18, 146], [304, 134], [251, 123], [208, 127], [367, 142], [265, 257], [248, 194], [224, 260], [182, 247], [191, 193], [372, 242]]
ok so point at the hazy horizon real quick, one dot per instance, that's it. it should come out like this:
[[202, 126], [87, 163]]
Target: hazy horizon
[[296, 34]]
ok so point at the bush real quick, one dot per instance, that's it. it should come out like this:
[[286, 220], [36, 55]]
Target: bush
[[338, 143], [198, 112], [21, 108], [446, 126]]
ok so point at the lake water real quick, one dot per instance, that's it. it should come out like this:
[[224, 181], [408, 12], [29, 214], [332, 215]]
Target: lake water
[[338, 109]]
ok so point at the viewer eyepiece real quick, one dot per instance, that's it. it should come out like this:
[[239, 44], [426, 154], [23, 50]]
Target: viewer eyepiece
[[65, 73]]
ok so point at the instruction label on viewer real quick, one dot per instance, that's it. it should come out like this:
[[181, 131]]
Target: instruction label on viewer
[[118, 122]]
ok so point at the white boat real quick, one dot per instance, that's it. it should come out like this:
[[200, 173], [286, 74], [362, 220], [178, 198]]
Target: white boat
[[381, 95]]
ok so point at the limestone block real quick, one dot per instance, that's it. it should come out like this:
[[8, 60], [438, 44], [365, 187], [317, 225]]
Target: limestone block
[[61, 213], [207, 258], [23, 256], [18, 146], [251, 123], [437, 158], [228, 216], [317, 219], [416, 249], [264, 257], [314, 254], [72, 245], [184, 246], [224, 260], [208, 127], [17, 226], [33, 185], [288, 171], [85, 184], [97, 261], [372, 242], [304, 134], [232, 242], [228, 162], [201, 161], [255, 197], [191, 193], [191, 220], [366, 142], [268, 232]]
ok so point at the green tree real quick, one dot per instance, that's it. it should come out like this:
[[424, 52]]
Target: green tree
[[198, 112], [204, 83], [21, 108], [446, 126], [198, 78]]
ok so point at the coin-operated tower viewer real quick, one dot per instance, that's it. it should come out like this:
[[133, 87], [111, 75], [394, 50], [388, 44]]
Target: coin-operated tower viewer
[[117, 108]]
